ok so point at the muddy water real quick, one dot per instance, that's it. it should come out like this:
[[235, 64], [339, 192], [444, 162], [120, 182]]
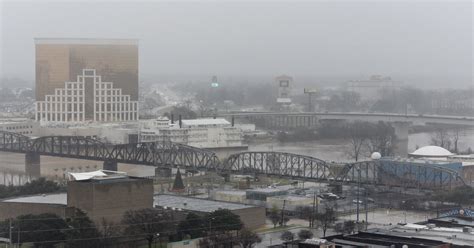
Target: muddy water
[[330, 150]]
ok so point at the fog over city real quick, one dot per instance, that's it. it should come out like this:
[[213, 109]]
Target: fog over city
[[236, 123], [422, 43]]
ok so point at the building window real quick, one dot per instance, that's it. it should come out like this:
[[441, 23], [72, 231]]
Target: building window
[[284, 83]]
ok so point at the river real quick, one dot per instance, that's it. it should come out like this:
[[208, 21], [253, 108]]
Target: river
[[338, 150], [12, 164]]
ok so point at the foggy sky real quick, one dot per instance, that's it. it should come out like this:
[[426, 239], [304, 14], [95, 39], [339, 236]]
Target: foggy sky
[[426, 43]]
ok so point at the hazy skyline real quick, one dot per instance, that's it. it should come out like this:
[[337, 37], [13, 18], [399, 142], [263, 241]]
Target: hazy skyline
[[423, 42]]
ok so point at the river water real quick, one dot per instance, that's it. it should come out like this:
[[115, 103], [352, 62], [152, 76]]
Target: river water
[[338, 150], [12, 165]]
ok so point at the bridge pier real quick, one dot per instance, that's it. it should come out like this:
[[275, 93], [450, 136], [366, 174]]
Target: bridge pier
[[33, 164], [110, 165], [401, 142]]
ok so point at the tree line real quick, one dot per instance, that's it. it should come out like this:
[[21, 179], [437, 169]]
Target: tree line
[[364, 137], [38, 186], [220, 228]]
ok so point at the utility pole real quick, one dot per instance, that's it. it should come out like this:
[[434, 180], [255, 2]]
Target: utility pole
[[18, 241], [310, 93], [10, 229], [366, 210], [312, 217], [283, 213], [358, 192]]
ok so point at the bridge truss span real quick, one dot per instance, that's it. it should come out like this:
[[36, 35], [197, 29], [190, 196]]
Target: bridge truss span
[[14, 142], [164, 154], [161, 154], [71, 147], [406, 175], [279, 164]]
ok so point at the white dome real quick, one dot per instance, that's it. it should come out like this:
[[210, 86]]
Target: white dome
[[431, 151], [376, 155]]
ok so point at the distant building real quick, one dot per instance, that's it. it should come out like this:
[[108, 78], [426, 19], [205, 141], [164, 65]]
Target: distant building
[[81, 80], [19, 125], [283, 86], [375, 88], [202, 133]]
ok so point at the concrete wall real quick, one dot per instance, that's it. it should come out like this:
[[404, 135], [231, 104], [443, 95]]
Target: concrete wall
[[290, 203], [110, 199], [15, 209], [229, 197]]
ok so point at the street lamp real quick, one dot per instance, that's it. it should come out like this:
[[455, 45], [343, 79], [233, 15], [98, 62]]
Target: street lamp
[[210, 224], [157, 237], [358, 192]]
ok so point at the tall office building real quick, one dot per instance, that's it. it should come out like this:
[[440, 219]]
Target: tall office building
[[81, 80]]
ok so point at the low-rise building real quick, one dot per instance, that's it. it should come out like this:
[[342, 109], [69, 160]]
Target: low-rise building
[[102, 195], [19, 125], [252, 216], [375, 239]]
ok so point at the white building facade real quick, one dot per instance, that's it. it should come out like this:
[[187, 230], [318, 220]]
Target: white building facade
[[202, 133], [87, 99]]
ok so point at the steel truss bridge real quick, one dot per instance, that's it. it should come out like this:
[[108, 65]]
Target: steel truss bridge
[[160, 154], [375, 172], [299, 167]]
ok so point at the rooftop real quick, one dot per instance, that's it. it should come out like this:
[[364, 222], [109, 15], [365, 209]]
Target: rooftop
[[231, 192], [60, 199], [269, 189], [96, 175], [448, 235], [195, 204], [383, 239], [86, 41], [431, 151]]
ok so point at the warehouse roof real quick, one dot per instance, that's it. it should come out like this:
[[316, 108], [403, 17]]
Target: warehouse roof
[[60, 198], [195, 204]]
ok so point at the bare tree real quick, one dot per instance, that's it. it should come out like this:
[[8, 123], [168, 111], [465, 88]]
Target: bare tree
[[381, 139], [110, 231], [326, 219], [247, 238], [441, 137], [148, 222], [455, 135], [358, 134]]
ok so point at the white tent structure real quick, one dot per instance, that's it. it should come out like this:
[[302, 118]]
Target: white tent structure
[[99, 174], [431, 152]]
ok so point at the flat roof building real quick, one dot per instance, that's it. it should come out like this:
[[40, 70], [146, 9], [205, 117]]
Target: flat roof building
[[252, 216]]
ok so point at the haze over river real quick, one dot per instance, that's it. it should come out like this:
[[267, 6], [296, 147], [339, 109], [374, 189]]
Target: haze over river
[[12, 164], [337, 150]]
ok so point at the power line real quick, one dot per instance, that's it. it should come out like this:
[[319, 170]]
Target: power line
[[118, 236], [117, 225]]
